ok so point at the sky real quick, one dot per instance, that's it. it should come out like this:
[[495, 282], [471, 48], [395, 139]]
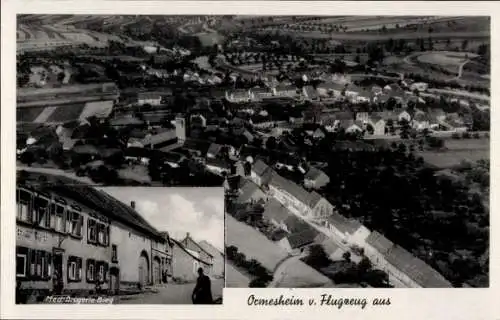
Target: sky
[[199, 211]]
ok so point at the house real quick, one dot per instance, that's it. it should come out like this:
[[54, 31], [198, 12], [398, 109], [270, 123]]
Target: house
[[218, 268], [218, 166], [285, 91], [126, 121], [347, 230], [86, 235], [421, 121], [318, 134], [393, 89], [151, 98], [140, 155], [259, 94], [294, 197], [296, 243], [376, 125], [437, 115], [310, 93], [160, 139], [214, 150], [333, 251], [401, 264], [329, 89], [351, 126], [197, 250], [198, 120], [239, 96], [250, 192], [376, 90], [315, 178], [419, 86], [186, 263], [363, 96], [261, 173]]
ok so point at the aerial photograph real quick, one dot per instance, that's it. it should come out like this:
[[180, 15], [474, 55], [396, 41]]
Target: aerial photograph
[[353, 151]]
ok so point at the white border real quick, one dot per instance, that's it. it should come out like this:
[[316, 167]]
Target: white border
[[405, 303]]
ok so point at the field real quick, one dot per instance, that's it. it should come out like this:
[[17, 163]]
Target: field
[[445, 58], [256, 246], [66, 113], [457, 151], [28, 114], [253, 244], [234, 278]]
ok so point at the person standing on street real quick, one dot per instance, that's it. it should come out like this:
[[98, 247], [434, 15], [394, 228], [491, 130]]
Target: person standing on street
[[202, 293]]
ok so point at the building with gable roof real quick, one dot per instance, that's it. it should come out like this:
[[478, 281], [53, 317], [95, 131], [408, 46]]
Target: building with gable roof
[[84, 238], [401, 264]]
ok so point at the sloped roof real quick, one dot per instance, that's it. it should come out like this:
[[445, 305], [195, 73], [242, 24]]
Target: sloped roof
[[300, 239], [214, 149], [189, 239], [344, 224], [314, 173], [247, 190], [416, 269], [94, 199], [260, 167], [274, 210], [291, 188], [208, 247]]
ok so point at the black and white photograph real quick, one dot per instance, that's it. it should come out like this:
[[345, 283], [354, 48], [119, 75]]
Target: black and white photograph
[[354, 152], [77, 243]]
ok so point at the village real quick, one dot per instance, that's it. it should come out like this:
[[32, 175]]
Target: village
[[344, 160]]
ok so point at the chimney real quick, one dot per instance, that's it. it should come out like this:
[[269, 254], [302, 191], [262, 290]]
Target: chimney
[[187, 235], [132, 204]]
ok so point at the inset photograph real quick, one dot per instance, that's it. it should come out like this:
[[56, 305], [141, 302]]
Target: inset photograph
[[78, 243]]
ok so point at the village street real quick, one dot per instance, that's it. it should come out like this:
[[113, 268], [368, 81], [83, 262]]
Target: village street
[[171, 294]]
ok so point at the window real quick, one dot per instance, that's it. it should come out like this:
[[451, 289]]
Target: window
[[58, 220], [90, 270], [41, 212], [40, 265], [23, 205], [114, 255], [102, 271], [103, 234], [75, 223], [74, 269], [92, 230], [21, 262]]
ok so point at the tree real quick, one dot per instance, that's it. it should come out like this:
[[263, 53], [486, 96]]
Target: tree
[[465, 44], [317, 257], [271, 143], [347, 256]]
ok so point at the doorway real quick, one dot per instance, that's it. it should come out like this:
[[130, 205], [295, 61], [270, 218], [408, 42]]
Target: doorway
[[58, 274], [114, 281]]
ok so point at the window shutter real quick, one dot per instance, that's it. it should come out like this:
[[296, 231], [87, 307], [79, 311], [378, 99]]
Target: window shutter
[[106, 272], [80, 225], [49, 265], [79, 269], [68, 269]]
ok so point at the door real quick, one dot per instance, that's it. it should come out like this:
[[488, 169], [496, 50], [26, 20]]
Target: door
[[58, 274], [114, 280], [156, 271], [143, 270]]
